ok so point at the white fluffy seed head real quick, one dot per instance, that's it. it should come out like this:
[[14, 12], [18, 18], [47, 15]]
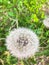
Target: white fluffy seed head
[[22, 43], [46, 22]]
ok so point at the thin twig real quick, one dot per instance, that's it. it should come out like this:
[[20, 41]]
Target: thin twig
[[43, 47], [2, 38]]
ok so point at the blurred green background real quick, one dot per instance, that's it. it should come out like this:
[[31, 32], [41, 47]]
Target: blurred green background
[[30, 14]]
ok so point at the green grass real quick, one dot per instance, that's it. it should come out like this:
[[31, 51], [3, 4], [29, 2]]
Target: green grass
[[30, 15]]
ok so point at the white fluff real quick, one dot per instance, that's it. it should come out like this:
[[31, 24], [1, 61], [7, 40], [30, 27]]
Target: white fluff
[[17, 46], [46, 22]]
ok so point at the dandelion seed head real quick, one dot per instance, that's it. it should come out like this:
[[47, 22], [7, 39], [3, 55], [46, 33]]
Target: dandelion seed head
[[46, 22], [22, 43]]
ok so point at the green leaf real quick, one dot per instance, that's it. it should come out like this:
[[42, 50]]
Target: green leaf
[[1, 1], [34, 17], [10, 13]]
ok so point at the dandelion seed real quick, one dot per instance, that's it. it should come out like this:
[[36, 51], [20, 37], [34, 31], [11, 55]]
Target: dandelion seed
[[22, 43]]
